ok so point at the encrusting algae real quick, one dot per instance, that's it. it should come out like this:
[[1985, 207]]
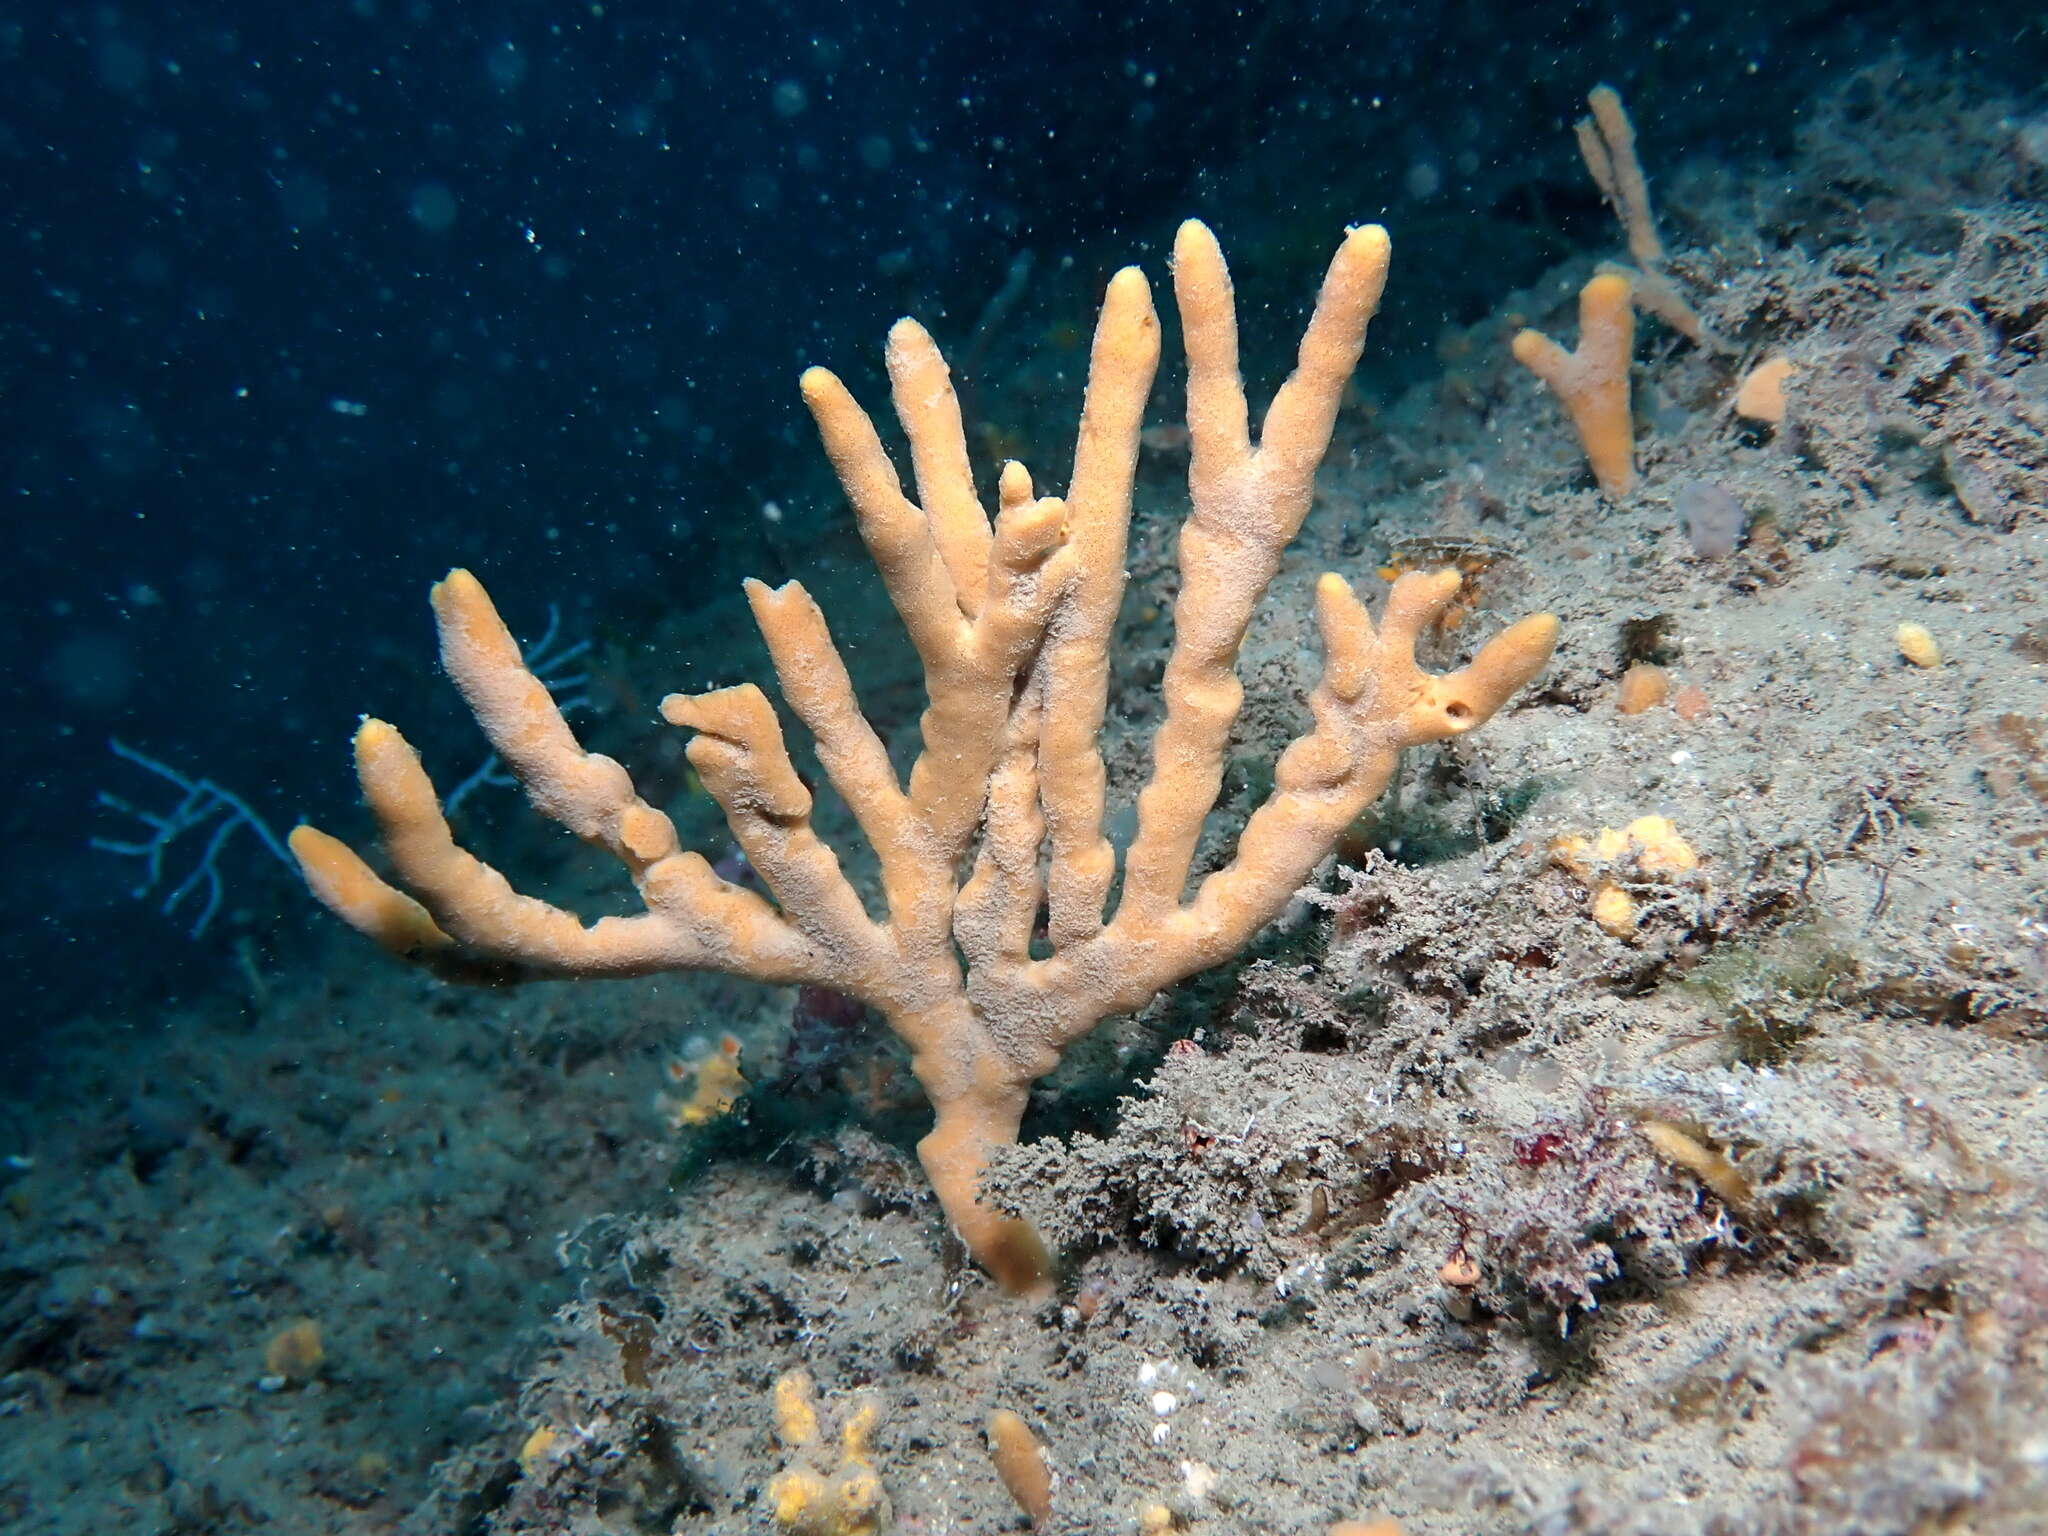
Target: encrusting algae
[[715, 1085], [805, 1501], [1648, 849]]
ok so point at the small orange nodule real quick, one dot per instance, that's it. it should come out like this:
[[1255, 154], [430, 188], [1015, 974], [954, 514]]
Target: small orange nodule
[[1460, 1270], [538, 1447], [1917, 645], [1643, 686], [1020, 1463], [294, 1352], [1761, 395], [1614, 910]]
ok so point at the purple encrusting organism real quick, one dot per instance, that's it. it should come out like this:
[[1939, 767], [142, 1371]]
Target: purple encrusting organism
[[1713, 519]]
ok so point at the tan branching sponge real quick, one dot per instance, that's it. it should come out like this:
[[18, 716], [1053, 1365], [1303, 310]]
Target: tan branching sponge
[[1002, 818], [1593, 381], [1607, 143]]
